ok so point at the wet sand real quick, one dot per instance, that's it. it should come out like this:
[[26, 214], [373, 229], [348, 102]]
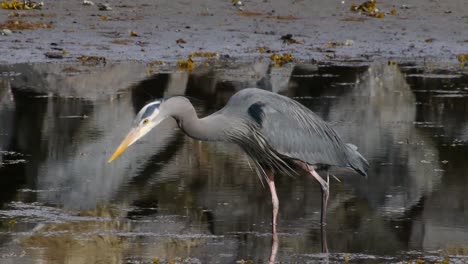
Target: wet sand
[[428, 31]]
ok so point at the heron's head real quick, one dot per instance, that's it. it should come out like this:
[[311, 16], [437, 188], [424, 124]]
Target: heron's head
[[148, 117]]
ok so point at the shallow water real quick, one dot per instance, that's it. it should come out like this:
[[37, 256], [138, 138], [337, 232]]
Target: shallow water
[[172, 198]]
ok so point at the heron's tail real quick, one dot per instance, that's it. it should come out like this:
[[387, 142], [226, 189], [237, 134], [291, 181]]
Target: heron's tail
[[356, 160]]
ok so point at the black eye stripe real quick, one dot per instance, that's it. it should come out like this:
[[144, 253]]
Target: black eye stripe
[[146, 112], [150, 110]]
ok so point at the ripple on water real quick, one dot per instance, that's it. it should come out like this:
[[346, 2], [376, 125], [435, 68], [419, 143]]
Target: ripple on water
[[434, 75], [35, 212]]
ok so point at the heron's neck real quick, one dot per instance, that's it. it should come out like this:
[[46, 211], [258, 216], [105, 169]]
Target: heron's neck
[[210, 128]]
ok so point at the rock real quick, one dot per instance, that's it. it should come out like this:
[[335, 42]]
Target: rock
[[88, 2], [5, 32], [104, 7], [54, 55]]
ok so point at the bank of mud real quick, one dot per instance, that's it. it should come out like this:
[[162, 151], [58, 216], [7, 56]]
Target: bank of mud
[[168, 31]]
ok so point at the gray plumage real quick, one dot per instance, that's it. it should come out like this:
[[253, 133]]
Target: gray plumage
[[273, 129], [278, 133]]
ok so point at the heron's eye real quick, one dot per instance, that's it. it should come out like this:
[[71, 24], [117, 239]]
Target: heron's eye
[[145, 121]]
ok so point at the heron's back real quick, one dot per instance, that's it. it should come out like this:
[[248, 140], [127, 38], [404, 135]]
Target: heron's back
[[292, 130]]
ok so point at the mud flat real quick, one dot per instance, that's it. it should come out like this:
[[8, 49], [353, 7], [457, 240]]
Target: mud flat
[[429, 31]]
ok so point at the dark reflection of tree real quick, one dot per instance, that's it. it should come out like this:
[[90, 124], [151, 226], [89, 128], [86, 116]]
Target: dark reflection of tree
[[443, 113], [364, 108], [215, 92], [27, 119], [212, 92], [442, 102], [322, 81], [184, 177], [148, 90], [204, 188], [31, 138], [198, 88], [145, 91]]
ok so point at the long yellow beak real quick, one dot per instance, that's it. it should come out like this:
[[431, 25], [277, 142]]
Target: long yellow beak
[[128, 140]]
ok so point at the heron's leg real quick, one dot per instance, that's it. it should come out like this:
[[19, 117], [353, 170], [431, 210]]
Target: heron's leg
[[325, 193], [325, 196], [274, 249], [323, 231], [323, 238], [274, 199]]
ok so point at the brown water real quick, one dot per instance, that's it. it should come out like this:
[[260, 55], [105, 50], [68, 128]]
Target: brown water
[[172, 198]]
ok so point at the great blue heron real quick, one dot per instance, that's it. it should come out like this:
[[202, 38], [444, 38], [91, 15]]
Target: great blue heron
[[278, 133]]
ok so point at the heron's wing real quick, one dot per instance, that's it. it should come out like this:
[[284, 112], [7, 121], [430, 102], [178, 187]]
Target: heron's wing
[[295, 131], [300, 134]]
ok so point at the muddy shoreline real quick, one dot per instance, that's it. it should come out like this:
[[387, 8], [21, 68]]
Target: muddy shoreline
[[144, 31]]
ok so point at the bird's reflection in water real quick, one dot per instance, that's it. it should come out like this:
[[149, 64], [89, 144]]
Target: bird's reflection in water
[[275, 240], [274, 248], [173, 196]]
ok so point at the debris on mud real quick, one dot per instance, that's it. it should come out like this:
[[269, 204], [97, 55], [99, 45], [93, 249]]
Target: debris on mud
[[288, 38], [104, 7], [462, 58], [288, 17], [17, 24], [55, 54], [280, 59], [205, 54], [264, 50], [181, 41], [368, 8], [238, 4], [354, 19], [189, 64], [122, 41], [249, 14], [151, 66], [5, 32], [186, 65], [257, 14], [21, 5], [88, 2], [71, 70], [348, 42], [91, 60], [154, 63], [133, 34], [332, 45]]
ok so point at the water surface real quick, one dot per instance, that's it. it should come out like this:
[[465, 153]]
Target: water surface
[[173, 198]]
